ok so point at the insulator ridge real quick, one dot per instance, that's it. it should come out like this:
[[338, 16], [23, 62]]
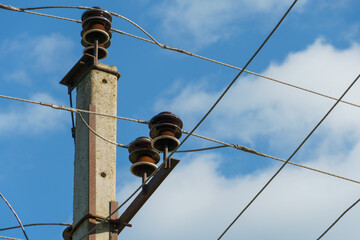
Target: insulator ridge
[[96, 24]]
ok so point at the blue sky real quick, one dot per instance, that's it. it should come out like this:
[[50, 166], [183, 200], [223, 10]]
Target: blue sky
[[317, 47]]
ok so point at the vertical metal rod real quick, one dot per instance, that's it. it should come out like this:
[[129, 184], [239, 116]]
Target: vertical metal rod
[[166, 155], [96, 50], [72, 118], [144, 177]]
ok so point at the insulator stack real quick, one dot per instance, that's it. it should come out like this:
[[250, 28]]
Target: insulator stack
[[165, 130], [143, 157], [96, 24]]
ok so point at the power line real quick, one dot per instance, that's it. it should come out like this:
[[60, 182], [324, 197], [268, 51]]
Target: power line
[[10, 238], [154, 41], [234, 80], [70, 109], [36, 224], [17, 218], [333, 224], [16, 9], [201, 149], [291, 156], [98, 135], [236, 146]]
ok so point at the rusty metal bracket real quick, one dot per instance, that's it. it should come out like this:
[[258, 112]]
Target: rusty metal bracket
[[69, 231], [86, 63], [142, 197]]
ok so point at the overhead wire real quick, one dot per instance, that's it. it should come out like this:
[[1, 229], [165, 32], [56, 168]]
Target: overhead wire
[[72, 117], [333, 224], [36, 224], [235, 79], [154, 41], [3, 237], [183, 51], [201, 149], [287, 161], [16, 9], [98, 135], [16, 216], [236, 146]]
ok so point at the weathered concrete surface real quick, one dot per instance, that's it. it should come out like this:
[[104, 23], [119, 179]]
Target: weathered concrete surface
[[95, 186]]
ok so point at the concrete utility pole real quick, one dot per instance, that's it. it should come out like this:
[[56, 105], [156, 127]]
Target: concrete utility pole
[[95, 159]]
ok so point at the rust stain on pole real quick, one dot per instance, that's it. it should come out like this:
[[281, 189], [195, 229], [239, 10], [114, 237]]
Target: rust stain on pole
[[92, 171]]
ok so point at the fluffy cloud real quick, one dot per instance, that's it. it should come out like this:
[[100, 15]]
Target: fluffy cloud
[[260, 109], [47, 53], [205, 21], [197, 202], [31, 119]]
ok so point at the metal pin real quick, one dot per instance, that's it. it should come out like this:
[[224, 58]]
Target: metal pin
[[144, 177], [96, 50], [166, 154]]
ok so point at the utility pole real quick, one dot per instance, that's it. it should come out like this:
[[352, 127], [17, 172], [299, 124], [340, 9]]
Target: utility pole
[[95, 135], [95, 159]]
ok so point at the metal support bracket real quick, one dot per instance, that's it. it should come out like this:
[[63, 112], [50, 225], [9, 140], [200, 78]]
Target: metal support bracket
[[142, 197], [81, 69]]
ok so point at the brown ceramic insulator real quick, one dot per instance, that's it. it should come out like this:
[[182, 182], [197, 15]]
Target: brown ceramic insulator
[[140, 142], [163, 141], [91, 35], [102, 52], [169, 129], [95, 26], [167, 133], [137, 154], [97, 13], [106, 45], [165, 117], [146, 159], [143, 157], [165, 129], [141, 168]]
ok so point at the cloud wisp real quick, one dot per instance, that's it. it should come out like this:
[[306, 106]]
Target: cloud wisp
[[31, 119], [197, 202], [256, 108], [204, 22]]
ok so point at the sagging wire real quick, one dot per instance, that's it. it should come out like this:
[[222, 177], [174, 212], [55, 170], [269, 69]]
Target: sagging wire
[[236, 146], [333, 224], [154, 41], [36, 224], [16, 216], [72, 117], [3, 237], [291, 156], [235, 79]]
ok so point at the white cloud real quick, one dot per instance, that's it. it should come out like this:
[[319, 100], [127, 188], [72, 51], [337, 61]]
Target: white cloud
[[260, 109], [197, 202], [19, 76], [203, 22], [31, 119], [47, 53], [50, 51]]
